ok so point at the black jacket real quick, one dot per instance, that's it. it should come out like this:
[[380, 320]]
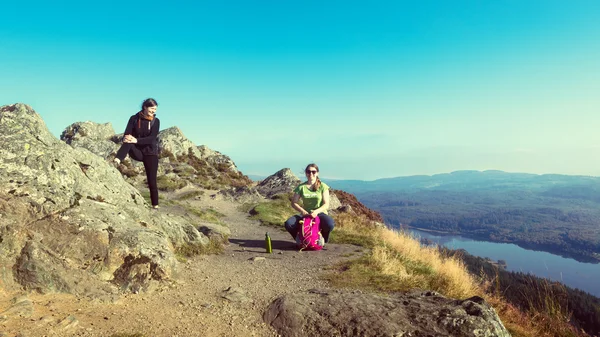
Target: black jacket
[[146, 133]]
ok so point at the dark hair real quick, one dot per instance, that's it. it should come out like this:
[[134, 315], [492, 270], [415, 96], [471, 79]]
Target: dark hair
[[318, 182], [148, 103]]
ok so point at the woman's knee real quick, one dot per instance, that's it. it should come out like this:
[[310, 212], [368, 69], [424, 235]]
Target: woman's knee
[[327, 221], [291, 222]]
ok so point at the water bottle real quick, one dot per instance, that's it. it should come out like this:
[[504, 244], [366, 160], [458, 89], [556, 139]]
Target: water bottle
[[268, 243]]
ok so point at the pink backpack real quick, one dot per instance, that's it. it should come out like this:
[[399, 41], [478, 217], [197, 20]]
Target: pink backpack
[[309, 237]]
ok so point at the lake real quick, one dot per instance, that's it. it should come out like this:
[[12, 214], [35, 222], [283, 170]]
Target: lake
[[572, 273]]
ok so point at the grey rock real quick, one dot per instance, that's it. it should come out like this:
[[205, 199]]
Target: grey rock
[[282, 181], [68, 323], [217, 159], [174, 141], [212, 230], [334, 202], [70, 222], [234, 294], [97, 138], [20, 307], [346, 313]]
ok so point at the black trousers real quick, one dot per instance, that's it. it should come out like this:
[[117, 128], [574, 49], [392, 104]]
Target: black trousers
[[150, 165]]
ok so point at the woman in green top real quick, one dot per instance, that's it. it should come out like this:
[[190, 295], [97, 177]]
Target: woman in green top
[[315, 202]]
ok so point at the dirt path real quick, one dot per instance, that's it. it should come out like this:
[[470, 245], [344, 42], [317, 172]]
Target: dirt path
[[194, 304]]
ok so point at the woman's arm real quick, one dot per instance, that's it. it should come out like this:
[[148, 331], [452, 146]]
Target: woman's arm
[[129, 130], [296, 205], [153, 134]]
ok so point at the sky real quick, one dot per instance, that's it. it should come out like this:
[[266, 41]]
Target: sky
[[365, 89]]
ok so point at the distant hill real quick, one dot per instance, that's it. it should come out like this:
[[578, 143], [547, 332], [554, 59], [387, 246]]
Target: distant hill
[[465, 180], [551, 212]]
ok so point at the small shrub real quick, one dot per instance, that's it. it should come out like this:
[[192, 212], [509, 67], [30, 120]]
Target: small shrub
[[169, 184], [126, 168], [214, 246], [164, 153]]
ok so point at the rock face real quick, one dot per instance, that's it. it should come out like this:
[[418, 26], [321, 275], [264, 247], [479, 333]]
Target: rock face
[[70, 222], [345, 313], [217, 159], [283, 181], [98, 138], [174, 141]]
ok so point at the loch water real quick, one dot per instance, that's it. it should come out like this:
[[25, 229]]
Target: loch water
[[572, 273]]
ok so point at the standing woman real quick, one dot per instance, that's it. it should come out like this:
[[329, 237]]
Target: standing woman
[[141, 143], [315, 201]]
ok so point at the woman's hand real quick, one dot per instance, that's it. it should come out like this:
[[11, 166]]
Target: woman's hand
[[129, 139]]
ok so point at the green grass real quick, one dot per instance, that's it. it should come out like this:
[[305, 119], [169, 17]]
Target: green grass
[[169, 184], [273, 212], [362, 274], [214, 246], [340, 235]]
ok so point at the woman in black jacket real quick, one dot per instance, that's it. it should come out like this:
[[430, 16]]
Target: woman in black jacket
[[141, 143]]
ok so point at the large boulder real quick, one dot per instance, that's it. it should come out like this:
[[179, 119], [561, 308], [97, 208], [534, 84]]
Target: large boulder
[[97, 138], [282, 181], [222, 162], [71, 223], [348, 313], [172, 140]]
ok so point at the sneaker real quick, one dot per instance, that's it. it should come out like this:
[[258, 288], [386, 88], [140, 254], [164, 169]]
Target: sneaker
[[117, 161], [321, 241], [155, 207]]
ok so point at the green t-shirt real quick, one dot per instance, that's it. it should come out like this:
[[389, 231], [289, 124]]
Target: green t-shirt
[[311, 199]]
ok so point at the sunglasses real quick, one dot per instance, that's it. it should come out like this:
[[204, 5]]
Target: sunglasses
[[311, 172]]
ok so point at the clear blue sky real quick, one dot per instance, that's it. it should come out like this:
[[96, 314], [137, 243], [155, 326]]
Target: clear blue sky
[[364, 89]]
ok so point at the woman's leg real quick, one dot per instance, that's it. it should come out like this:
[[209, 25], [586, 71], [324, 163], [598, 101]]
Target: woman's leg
[[151, 166], [291, 225], [326, 225], [129, 148]]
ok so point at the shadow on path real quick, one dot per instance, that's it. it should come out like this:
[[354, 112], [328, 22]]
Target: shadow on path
[[260, 244]]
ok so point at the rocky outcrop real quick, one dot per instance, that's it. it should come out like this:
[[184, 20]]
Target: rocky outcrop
[[282, 181], [181, 161], [98, 138], [172, 140], [70, 220], [222, 162], [347, 313]]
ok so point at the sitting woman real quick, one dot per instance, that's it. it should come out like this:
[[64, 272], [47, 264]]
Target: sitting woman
[[140, 142], [315, 199]]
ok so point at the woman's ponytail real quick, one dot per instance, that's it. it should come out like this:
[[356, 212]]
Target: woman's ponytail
[[317, 184]]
